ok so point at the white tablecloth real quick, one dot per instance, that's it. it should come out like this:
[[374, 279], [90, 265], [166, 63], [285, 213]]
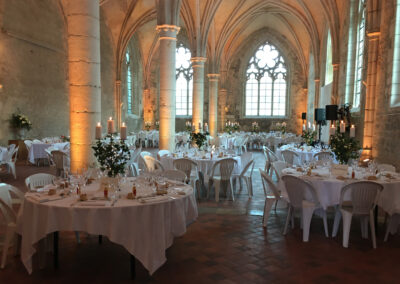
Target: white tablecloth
[[328, 190], [204, 165], [305, 154], [145, 230], [37, 150]]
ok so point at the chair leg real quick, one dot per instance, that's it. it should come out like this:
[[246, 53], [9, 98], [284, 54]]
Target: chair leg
[[232, 193], [336, 223], [346, 216], [389, 222], [287, 220], [372, 225], [267, 208], [276, 203], [307, 213], [325, 225]]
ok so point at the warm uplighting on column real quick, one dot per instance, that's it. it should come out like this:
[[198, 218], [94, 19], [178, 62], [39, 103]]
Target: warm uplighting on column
[[213, 103]]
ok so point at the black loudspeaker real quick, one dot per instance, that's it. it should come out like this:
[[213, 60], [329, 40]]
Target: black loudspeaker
[[319, 114], [303, 115], [331, 112]]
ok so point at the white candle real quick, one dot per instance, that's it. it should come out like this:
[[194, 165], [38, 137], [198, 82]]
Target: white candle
[[313, 127], [332, 130], [342, 127], [110, 126], [352, 131], [309, 125], [98, 130], [304, 126], [123, 131]]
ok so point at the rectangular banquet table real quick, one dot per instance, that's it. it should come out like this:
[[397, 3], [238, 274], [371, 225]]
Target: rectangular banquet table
[[145, 230]]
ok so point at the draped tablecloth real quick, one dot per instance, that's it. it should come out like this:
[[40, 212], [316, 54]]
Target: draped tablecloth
[[305, 153], [145, 230], [37, 150]]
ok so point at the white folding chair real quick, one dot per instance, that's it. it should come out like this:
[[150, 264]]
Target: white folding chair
[[297, 190], [323, 156], [360, 201], [10, 159], [245, 176], [277, 168], [289, 156], [269, 199], [270, 157], [187, 166], [226, 167], [174, 175], [39, 180]]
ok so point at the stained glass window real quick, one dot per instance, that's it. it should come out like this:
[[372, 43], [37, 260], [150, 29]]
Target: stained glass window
[[360, 56], [128, 81], [184, 81]]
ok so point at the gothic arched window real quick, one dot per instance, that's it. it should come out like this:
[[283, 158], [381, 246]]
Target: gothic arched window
[[360, 55], [395, 97], [184, 81], [328, 63], [266, 86], [128, 81]]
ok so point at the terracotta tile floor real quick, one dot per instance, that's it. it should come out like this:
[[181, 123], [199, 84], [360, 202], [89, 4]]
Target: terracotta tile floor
[[227, 244]]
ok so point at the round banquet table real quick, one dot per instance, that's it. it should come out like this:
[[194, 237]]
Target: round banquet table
[[329, 187], [203, 165], [305, 154], [144, 227]]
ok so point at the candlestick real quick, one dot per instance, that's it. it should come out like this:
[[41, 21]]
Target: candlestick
[[332, 130], [352, 131], [110, 126], [98, 130], [123, 131], [342, 127]]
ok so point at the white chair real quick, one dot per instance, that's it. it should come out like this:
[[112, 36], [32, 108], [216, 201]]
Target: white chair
[[297, 190], [162, 153], [152, 164], [28, 144], [245, 176], [289, 156], [323, 156], [39, 180], [357, 198], [10, 159], [270, 157], [386, 168], [59, 159], [277, 168], [187, 166], [269, 199], [174, 175], [226, 167], [133, 171], [141, 162]]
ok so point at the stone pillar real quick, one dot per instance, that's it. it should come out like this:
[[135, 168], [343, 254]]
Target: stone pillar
[[223, 93], [316, 96], [213, 104], [369, 110], [335, 84], [148, 113], [167, 38], [198, 91], [84, 78]]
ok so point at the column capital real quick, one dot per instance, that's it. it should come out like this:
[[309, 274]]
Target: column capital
[[198, 61], [167, 32], [316, 80], [213, 77]]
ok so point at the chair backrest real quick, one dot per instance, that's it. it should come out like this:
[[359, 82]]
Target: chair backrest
[[323, 156], [133, 170], [387, 168], [10, 148], [226, 167], [269, 155], [162, 153], [58, 159], [145, 153], [135, 154], [7, 192], [39, 180], [174, 175], [277, 167], [269, 184], [363, 195], [245, 158], [185, 165], [152, 164], [297, 190], [288, 156], [246, 168]]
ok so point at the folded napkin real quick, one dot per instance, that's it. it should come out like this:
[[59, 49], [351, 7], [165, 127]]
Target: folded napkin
[[154, 199], [42, 198], [93, 203]]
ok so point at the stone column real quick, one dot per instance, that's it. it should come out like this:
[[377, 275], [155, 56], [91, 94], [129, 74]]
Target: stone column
[[148, 114], [84, 78], [118, 104], [167, 38], [223, 93], [316, 96], [213, 104], [198, 91], [335, 84], [369, 111]]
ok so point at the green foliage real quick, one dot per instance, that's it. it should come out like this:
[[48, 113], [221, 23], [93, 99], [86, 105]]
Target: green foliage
[[309, 137], [20, 121], [112, 155], [344, 147], [199, 138]]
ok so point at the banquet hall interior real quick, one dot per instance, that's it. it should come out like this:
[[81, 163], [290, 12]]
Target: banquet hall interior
[[195, 141]]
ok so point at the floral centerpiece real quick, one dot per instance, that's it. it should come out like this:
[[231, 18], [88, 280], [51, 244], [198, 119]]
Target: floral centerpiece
[[188, 126], [112, 155], [147, 125], [309, 137], [281, 127], [236, 126], [64, 138], [344, 147], [199, 138], [254, 127], [20, 124]]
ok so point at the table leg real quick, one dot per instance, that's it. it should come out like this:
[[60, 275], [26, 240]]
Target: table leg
[[55, 256], [133, 267]]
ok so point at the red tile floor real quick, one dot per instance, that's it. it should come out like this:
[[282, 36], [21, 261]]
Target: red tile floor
[[227, 244]]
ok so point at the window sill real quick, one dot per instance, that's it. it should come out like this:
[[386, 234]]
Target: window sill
[[184, 116], [265, 117]]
